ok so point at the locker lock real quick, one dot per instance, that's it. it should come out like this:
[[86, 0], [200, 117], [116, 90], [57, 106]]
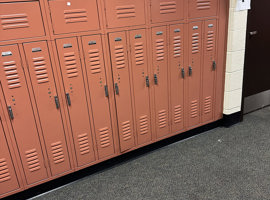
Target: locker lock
[[214, 65], [183, 72], [68, 99], [106, 91], [147, 81], [56, 100], [10, 112], [155, 79], [189, 70], [116, 88]]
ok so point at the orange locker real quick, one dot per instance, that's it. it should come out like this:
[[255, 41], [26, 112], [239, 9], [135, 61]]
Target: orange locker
[[97, 83], [21, 114], [166, 10], [194, 72], [141, 84], [121, 13], [177, 76], [47, 101], [74, 15], [202, 8], [20, 20], [160, 67], [71, 69], [209, 70], [8, 176], [120, 68]]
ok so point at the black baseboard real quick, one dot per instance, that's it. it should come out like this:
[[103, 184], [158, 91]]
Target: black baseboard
[[230, 120]]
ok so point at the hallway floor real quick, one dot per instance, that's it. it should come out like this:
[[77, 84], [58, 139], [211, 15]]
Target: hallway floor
[[221, 164]]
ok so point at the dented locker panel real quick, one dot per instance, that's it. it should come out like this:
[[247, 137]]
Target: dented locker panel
[[166, 10], [209, 69], [120, 68], [8, 176], [202, 8], [95, 68], [20, 20], [194, 73], [74, 15], [76, 99], [177, 76], [47, 100], [21, 114], [141, 84], [160, 66]]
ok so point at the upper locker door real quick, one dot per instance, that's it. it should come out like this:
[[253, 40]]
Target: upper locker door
[[97, 83], [209, 67], [160, 66], [76, 99], [21, 114], [177, 76], [141, 84], [194, 73], [119, 57], [167, 10], [202, 8], [47, 101]]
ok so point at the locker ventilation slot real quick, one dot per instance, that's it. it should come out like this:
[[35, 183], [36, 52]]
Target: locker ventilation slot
[[41, 70], [94, 59], [207, 105], [203, 4], [139, 53], [119, 56], [70, 63], [4, 171], [168, 7], [210, 41], [162, 118], [104, 137], [177, 114], [160, 49], [177, 46], [194, 109], [75, 16], [143, 125], [126, 130], [12, 76], [195, 43], [14, 21], [57, 152], [32, 160], [84, 144], [126, 11]]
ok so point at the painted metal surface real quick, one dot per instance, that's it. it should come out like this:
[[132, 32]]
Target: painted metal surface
[[202, 8]]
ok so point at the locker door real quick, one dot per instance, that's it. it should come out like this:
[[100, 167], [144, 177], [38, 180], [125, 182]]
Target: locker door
[[177, 76], [21, 114], [76, 99], [194, 73], [166, 10], [97, 83], [39, 66], [202, 8], [121, 78], [209, 66], [160, 59], [141, 84], [8, 177]]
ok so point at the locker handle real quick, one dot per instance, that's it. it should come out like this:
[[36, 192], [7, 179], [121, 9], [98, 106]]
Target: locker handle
[[116, 88], [56, 99], [147, 81], [189, 70], [68, 99], [214, 65], [155, 79], [183, 72], [10, 112], [106, 91]]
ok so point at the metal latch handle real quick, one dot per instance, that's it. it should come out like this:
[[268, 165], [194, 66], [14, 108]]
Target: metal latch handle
[[106, 91], [155, 79], [68, 99], [147, 81], [189, 70], [183, 72], [56, 99], [10, 112], [116, 88]]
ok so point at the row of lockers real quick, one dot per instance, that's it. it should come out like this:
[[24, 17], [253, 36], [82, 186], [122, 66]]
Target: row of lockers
[[25, 20]]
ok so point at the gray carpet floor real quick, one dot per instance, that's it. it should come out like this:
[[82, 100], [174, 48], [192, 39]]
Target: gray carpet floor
[[221, 164]]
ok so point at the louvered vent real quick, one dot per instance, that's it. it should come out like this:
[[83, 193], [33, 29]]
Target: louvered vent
[[194, 109], [144, 125], [57, 152], [210, 41], [203, 4], [127, 11], [119, 56], [168, 7], [104, 137], [83, 143], [4, 171], [162, 118], [126, 130], [71, 65], [41, 70], [75, 16], [13, 79], [14, 21], [139, 53], [32, 160], [160, 49], [94, 60], [177, 114], [195, 43], [177, 46], [207, 105]]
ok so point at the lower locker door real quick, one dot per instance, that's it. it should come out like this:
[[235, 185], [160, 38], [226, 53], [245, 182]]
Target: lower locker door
[[194, 73], [47, 100], [121, 78], [95, 68], [177, 76], [76, 99], [209, 70], [160, 64], [141, 84], [21, 114], [8, 177]]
